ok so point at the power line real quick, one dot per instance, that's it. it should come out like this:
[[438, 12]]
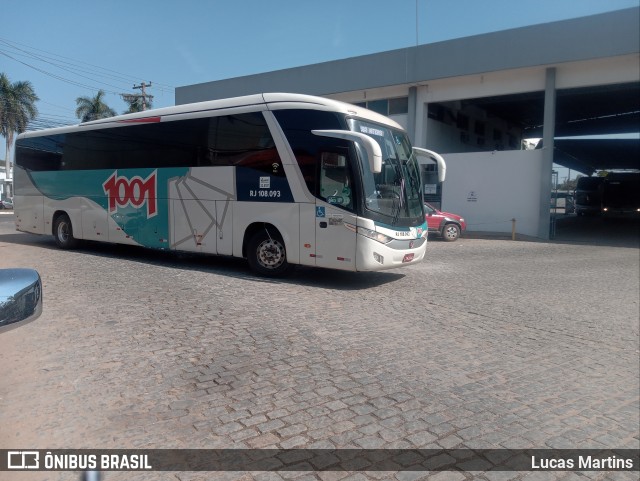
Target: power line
[[57, 77], [77, 65], [57, 106], [75, 68], [70, 70], [46, 62], [47, 119], [63, 64]]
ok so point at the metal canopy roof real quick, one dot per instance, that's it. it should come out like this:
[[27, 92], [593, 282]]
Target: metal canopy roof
[[589, 155], [599, 110]]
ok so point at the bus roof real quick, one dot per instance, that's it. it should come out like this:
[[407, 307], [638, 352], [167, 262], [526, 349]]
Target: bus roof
[[264, 101]]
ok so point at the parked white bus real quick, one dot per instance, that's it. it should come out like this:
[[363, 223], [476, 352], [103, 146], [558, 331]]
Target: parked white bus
[[279, 179]]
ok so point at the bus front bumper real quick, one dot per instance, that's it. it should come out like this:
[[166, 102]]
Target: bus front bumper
[[375, 256]]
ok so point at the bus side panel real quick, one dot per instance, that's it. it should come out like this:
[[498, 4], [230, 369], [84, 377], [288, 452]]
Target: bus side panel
[[284, 216], [95, 222], [224, 216], [193, 223], [29, 212], [117, 234], [28, 204], [200, 210]]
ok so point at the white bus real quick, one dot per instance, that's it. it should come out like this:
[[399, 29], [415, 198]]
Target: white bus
[[278, 179]]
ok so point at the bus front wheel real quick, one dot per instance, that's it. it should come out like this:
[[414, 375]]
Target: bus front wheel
[[266, 254], [63, 232]]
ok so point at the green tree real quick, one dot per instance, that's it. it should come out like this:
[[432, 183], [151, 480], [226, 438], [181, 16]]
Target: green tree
[[136, 104], [17, 109], [93, 108]]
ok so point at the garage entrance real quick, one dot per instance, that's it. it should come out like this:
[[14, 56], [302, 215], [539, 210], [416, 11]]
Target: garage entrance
[[596, 131]]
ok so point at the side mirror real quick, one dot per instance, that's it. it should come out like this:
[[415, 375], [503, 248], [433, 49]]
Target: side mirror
[[371, 147], [430, 154], [20, 297]]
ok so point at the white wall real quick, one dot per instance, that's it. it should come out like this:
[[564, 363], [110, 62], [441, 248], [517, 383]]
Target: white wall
[[402, 119], [3, 178], [490, 188]]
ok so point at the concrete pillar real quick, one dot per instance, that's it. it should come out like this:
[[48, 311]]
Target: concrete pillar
[[548, 134], [420, 130], [411, 114]]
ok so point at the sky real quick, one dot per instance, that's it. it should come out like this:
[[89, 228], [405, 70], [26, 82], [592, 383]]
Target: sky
[[73, 48]]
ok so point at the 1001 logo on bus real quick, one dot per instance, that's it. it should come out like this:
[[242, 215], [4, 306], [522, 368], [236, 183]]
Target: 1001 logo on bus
[[135, 192]]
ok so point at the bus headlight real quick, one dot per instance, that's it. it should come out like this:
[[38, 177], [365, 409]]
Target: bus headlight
[[377, 236]]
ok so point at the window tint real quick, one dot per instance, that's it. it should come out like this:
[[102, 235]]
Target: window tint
[[336, 182], [297, 126], [399, 106], [170, 144], [40, 153], [242, 140], [380, 106]]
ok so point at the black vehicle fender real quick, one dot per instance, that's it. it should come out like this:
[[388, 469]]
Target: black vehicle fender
[[448, 220]]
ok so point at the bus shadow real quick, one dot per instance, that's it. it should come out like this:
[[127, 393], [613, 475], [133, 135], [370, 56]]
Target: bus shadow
[[222, 265]]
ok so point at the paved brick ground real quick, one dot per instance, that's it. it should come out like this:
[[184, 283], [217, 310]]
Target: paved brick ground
[[488, 343]]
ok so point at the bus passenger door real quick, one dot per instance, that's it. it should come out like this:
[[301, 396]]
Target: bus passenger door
[[335, 212]]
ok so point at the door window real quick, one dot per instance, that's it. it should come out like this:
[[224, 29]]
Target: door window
[[336, 182]]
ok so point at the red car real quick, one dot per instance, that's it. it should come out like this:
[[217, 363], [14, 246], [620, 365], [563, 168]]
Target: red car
[[449, 226]]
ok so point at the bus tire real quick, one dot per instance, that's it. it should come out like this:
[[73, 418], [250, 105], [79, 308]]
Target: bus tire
[[63, 232], [266, 254]]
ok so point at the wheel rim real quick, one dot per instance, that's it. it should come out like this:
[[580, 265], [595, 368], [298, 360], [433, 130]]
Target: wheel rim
[[451, 232], [63, 232], [270, 254]]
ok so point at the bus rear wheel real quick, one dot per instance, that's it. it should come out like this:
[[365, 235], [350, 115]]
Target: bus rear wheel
[[63, 232], [267, 255]]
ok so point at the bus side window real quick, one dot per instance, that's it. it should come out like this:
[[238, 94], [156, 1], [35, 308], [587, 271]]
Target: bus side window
[[244, 140], [335, 179]]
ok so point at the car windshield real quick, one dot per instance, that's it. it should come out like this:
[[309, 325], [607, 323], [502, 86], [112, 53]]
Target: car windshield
[[395, 191]]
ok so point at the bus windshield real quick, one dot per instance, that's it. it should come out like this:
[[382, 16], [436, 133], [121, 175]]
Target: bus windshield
[[395, 192]]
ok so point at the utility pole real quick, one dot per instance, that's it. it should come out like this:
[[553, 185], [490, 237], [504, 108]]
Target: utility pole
[[144, 95], [142, 86]]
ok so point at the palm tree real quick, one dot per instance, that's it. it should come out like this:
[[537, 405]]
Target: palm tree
[[93, 108], [17, 109]]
